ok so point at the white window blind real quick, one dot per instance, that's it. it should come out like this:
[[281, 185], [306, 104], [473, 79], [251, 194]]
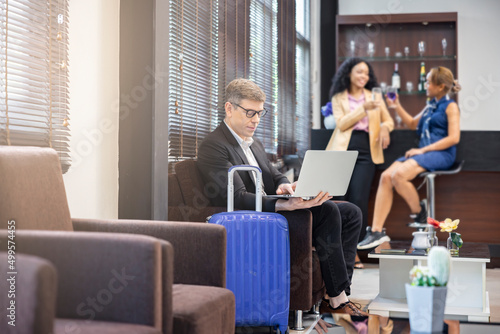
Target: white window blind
[[303, 81], [34, 75], [193, 75], [264, 66]]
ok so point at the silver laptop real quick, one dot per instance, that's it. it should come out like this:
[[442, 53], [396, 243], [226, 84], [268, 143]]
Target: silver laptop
[[328, 171]]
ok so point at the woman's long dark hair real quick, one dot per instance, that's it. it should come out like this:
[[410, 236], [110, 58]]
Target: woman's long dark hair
[[342, 79]]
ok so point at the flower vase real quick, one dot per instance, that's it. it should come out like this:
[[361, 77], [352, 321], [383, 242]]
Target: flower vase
[[451, 246]]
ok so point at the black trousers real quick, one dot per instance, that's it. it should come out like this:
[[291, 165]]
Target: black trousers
[[358, 191], [336, 228]]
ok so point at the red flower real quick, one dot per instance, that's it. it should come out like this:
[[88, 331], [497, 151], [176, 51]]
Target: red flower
[[433, 222]]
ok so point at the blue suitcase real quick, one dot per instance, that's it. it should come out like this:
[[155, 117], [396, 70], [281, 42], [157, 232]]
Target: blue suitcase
[[258, 260]]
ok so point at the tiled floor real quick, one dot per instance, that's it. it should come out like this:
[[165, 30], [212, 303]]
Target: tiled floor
[[365, 288]]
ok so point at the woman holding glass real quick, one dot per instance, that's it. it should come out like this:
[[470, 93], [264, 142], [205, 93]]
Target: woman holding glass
[[363, 125], [438, 127]]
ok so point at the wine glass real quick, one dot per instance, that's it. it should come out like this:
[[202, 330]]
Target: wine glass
[[377, 94], [409, 86], [391, 93], [371, 49], [421, 48], [387, 51], [444, 44], [407, 51]]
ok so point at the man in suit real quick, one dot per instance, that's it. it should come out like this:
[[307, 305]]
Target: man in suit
[[336, 226]]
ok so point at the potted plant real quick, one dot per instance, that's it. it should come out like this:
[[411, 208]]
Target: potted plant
[[426, 295]]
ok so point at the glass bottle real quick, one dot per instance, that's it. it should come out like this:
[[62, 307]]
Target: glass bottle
[[396, 79], [422, 78]]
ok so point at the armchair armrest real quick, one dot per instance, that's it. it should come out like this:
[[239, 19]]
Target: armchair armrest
[[200, 248], [34, 295], [186, 213], [107, 277]]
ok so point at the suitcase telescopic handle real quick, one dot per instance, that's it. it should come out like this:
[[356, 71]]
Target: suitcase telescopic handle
[[258, 188]]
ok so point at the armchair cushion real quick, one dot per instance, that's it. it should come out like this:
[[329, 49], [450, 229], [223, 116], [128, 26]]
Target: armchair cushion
[[187, 200], [35, 295], [201, 309], [191, 184], [35, 171]]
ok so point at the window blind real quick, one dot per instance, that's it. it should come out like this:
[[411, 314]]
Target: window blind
[[287, 87], [34, 75], [263, 69], [303, 81], [193, 75]]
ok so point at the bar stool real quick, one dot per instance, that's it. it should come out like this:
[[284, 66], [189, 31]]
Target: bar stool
[[429, 179]]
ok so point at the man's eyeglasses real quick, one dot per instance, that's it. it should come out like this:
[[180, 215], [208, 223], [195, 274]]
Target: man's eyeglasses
[[251, 113]]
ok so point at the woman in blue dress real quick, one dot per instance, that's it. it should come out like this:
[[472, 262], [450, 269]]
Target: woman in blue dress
[[438, 126]]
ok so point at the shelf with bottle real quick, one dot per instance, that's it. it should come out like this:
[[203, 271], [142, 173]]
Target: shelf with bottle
[[409, 58], [411, 93]]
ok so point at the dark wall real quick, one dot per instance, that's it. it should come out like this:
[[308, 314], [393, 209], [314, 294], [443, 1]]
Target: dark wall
[[136, 109], [329, 10]]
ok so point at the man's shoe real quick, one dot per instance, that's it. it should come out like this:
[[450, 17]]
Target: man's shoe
[[344, 308], [373, 239]]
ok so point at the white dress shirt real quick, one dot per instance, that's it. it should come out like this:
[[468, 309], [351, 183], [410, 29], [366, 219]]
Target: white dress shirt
[[245, 146]]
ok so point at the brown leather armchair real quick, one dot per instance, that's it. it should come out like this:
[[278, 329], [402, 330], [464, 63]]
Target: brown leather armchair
[[187, 202], [193, 297], [101, 280], [35, 295]]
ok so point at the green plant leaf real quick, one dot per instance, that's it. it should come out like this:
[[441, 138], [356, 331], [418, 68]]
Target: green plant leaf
[[456, 238]]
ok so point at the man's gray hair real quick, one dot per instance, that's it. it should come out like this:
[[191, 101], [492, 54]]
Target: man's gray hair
[[240, 89]]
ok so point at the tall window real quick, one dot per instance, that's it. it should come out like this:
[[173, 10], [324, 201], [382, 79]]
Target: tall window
[[215, 41], [193, 75], [34, 75], [303, 84]]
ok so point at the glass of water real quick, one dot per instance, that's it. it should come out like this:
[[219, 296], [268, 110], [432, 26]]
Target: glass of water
[[377, 94]]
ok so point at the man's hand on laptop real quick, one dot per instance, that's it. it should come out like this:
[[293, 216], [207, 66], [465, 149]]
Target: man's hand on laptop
[[296, 203], [286, 188]]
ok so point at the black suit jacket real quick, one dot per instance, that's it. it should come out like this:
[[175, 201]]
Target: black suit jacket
[[217, 153]]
